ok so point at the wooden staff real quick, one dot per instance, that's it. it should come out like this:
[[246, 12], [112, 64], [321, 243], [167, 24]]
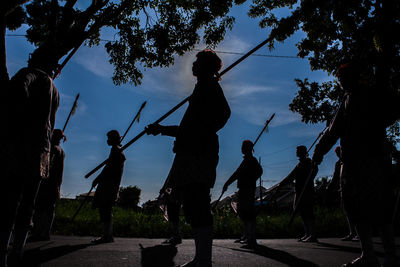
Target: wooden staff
[[178, 106], [318, 137], [215, 204], [82, 204], [136, 118]]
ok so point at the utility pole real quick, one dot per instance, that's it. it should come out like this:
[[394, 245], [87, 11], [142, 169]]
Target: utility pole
[[260, 191]]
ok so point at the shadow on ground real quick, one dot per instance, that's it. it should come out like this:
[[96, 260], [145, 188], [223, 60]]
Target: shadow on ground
[[278, 255], [37, 256], [355, 250], [158, 256]]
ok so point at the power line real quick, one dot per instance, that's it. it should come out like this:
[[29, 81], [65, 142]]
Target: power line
[[257, 55], [217, 51], [286, 148]]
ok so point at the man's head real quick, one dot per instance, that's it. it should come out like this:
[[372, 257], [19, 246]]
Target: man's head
[[338, 151], [207, 64], [348, 75], [57, 136], [45, 59], [114, 138], [247, 147], [301, 152]]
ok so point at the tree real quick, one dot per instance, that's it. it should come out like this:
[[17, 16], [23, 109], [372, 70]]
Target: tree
[[11, 16], [337, 32], [148, 33], [129, 197]]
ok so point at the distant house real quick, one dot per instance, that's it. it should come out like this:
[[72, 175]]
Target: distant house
[[226, 202], [281, 199], [83, 195], [151, 206]]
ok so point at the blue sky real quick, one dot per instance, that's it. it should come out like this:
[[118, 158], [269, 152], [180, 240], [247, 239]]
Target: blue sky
[[255, 89]]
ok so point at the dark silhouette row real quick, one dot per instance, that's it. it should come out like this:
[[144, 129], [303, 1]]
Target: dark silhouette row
[[32, 162]]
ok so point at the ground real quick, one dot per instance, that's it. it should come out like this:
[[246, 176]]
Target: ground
[[77, 251]]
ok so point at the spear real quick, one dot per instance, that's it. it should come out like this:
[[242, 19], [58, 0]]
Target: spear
[[179, 105], [264, 129], [136, 118], [318, 137], [71, 112], [67, 58]]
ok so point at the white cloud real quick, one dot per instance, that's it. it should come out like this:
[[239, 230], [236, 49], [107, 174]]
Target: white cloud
[[306, 130], [86, 138], [175, 80], [178, 79], [94, 59], [258, 113], [92, 157], [233, 91]]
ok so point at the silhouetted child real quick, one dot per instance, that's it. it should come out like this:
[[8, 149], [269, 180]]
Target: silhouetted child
[[108, 183], [246, 175], [300, 175]]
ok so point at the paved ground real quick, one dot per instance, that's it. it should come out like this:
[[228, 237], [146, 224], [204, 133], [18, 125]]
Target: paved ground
[[77, 251]]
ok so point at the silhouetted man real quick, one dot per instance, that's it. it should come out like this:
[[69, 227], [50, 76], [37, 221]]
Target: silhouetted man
[[108, 183], [32, 101], [306, 206], [336, 187], [196, 148], [360, 124], [246, 175], [49, 191]]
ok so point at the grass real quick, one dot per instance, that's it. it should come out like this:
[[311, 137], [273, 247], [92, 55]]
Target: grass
[[129, 223]]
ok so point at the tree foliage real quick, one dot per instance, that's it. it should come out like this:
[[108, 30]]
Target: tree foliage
[[337, 32], [148, 33], [129, 197]]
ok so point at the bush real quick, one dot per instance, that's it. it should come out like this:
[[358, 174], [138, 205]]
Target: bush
[[130, 223], [129, 197]]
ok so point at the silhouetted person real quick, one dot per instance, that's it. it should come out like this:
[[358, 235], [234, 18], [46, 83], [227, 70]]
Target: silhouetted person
[[306, 206], [31, 101], [108, 183], [360, 125], [196, 147], [173, 207], [246, 175], [49, 191], [335, 186]]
